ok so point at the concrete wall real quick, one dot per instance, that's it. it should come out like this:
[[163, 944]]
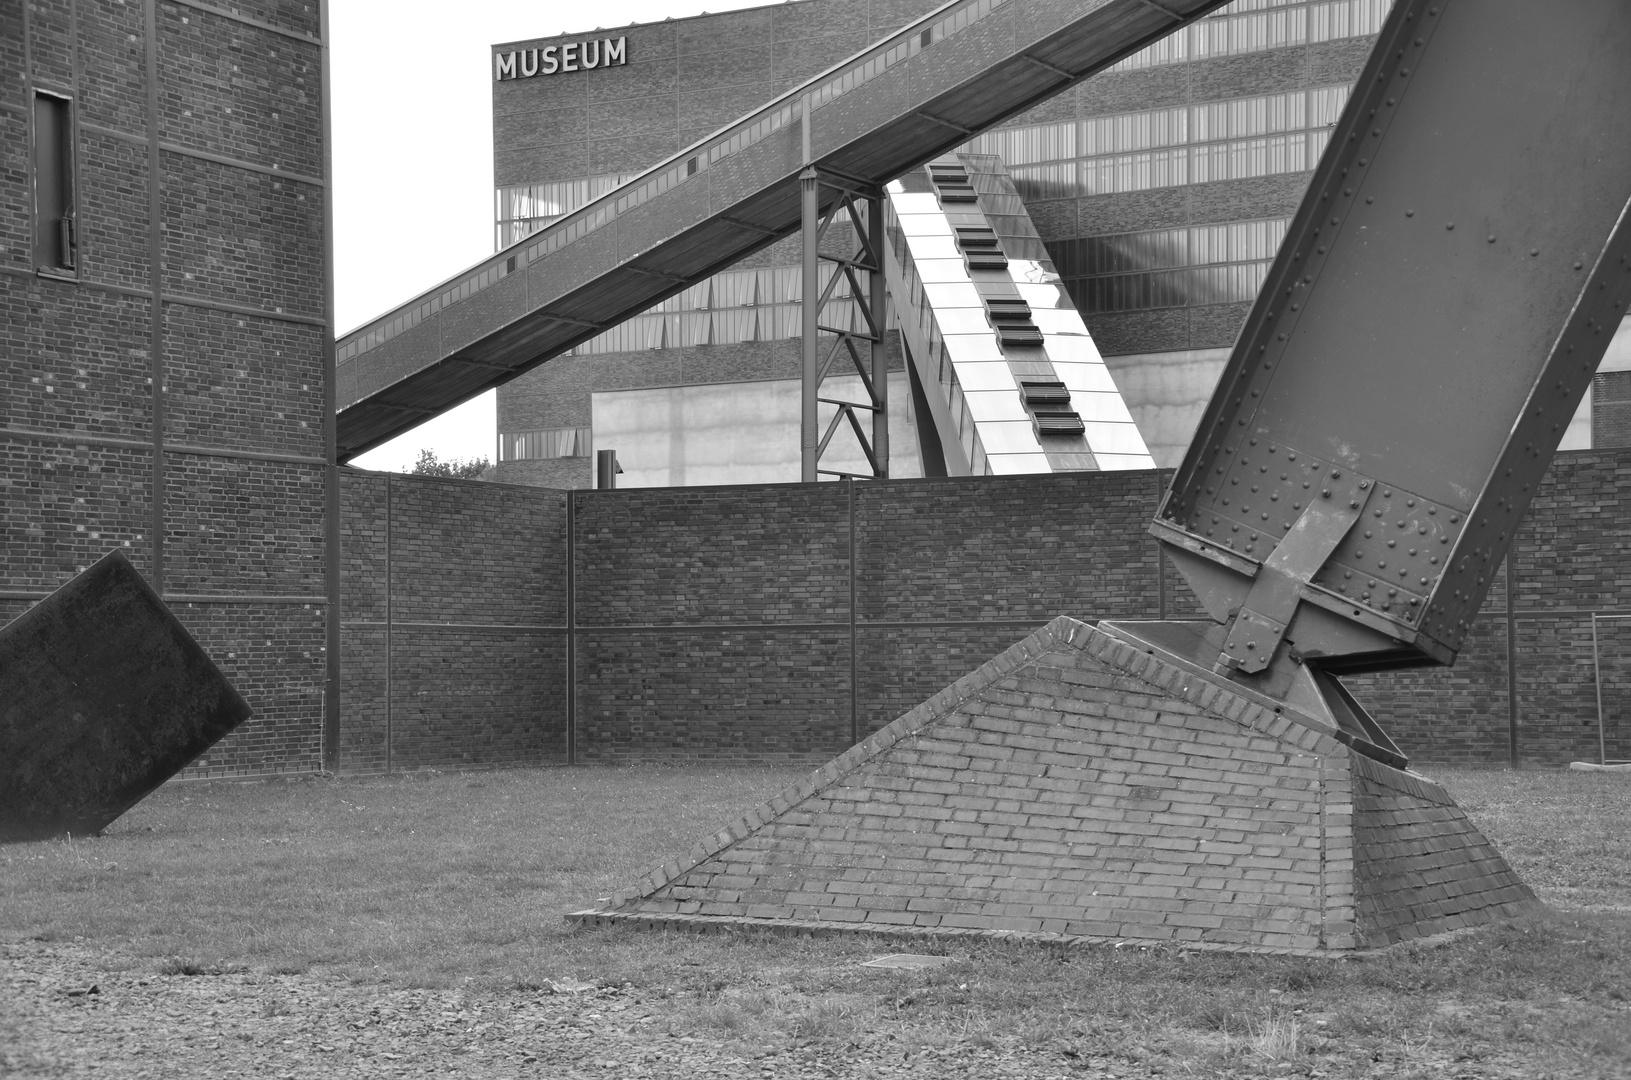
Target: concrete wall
[[166, 396], [776, 621]]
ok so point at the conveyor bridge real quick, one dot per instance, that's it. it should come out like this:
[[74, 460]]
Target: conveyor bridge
[[916, 94]]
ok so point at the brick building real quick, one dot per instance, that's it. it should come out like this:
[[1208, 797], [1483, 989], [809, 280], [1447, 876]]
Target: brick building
[[1159, 189], [167, 332]]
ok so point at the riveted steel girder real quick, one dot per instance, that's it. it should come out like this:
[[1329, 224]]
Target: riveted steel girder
[[1430, 325]]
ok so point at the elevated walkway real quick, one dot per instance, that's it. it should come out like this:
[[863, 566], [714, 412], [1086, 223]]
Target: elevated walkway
[[912, 96]]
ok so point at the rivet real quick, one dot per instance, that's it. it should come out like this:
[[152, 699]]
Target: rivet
[[1534, 251], [1409, 213], [1491, 238], [1370, 199], [1449, 224]]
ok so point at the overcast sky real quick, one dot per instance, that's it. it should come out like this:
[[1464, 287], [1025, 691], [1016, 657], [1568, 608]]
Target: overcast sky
[[413, 158]]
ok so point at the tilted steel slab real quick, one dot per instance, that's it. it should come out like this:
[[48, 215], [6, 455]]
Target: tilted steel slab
[[914, 95], [103, 697], [1428, 328]]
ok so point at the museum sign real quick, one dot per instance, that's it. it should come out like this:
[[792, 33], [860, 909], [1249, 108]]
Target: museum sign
[[556, 59]]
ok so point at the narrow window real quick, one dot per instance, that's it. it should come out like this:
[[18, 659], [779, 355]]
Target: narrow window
[[54, 224]]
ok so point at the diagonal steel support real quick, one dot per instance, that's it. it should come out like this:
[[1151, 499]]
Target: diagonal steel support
[[863, 271]]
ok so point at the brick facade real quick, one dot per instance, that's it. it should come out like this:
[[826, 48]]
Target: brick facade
[[167, 396], [716, 623]]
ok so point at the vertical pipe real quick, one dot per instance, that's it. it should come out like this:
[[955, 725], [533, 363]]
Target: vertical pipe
[[809, 199], [1160, 555], [390, 625], [1597, 677], [155, 278], [879, 302], [571, 629], [854, 682], [1511, 661], [809, 416], [331, 468]]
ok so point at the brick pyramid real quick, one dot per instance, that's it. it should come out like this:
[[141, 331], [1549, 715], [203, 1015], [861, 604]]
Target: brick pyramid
[[1078, 788]]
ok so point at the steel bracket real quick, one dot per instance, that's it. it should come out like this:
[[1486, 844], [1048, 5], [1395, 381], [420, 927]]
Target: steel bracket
[[1260, 625]]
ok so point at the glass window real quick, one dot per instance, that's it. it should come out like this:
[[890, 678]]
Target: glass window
[[55, 241], [539, 445], [1248, 26]]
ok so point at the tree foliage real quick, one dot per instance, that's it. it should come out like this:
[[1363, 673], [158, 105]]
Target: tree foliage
[[457, 468]]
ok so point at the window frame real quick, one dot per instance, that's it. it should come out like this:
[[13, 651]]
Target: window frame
[[70, 174]]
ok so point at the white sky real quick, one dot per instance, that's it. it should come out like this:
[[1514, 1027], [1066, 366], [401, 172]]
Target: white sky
[[413, 159]]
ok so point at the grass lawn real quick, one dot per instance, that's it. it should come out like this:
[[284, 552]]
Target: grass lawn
[[460, 880]]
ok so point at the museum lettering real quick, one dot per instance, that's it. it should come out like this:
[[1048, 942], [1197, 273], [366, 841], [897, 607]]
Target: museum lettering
[[556, 59]]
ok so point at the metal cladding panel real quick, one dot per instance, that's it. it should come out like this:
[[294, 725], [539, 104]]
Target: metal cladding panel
[[771, 161], [564, 272], [853, 116], [668, 217], [103, 697], [467, 323], [387, 363], [1435, 313], [871, 123]]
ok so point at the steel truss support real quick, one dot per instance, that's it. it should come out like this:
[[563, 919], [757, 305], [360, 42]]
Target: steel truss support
[[824, 344]]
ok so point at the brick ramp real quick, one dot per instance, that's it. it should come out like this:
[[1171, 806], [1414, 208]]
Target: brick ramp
[[1077, 788]]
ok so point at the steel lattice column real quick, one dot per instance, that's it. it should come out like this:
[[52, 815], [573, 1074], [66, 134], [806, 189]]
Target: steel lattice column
[[864, 209]]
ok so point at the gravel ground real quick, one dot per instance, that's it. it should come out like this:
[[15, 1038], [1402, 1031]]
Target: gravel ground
[[136, 1023], [67, 1009]]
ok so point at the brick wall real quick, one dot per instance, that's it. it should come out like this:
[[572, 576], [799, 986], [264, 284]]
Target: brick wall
[[715, 623], [452, 616], [222, 383]]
